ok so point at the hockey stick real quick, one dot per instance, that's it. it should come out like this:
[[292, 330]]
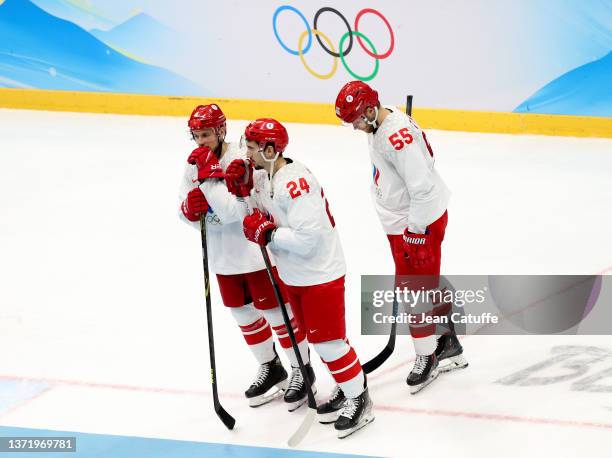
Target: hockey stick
[[301, 432], [225, 417], [380, 358], [409, 105], [377, 361]]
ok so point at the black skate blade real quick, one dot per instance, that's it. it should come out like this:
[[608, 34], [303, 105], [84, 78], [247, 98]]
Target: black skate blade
[[366, 420], [414, 389], [301, 432]]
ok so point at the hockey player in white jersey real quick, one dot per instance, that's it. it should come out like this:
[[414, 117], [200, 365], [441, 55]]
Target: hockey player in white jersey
[[293, 220], [243, 281], [411, 200]]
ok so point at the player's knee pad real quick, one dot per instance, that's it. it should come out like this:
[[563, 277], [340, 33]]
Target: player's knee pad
[[246, 314]]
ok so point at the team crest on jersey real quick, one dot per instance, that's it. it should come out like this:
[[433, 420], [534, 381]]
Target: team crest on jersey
[[376, 178], [375, 174]]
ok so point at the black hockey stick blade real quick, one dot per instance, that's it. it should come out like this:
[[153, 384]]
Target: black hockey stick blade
[[225, 417], [379, 359]]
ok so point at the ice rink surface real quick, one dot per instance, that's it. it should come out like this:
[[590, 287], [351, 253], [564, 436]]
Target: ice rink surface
[[102, 325]]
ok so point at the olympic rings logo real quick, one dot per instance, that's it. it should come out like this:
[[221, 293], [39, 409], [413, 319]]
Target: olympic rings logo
[[329, 49]]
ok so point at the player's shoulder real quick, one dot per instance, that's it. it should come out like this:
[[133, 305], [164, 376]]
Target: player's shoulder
[[293, 180], [394, 121], [395, 130], [295, 170]]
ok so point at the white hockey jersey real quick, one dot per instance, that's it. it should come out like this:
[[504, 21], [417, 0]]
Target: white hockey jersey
[[406, 189], [306, 244], [229, 251]]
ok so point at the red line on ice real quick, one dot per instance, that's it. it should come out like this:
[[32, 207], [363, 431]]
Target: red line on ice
[[379, 407], [25, 402]]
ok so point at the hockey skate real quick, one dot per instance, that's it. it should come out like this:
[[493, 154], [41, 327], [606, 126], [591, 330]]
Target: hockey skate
[[354, 415], [296, 393], [450, 353], [424, 371], [329, 411], [269, 384]]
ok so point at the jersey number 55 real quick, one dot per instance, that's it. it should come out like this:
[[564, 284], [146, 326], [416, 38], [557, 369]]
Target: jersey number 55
[[406, 139]]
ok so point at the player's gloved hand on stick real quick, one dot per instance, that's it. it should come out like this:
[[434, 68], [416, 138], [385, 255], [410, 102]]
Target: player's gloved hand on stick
[[194, 205], [258, 228], [418, 248], [207, 163], [239, 177]]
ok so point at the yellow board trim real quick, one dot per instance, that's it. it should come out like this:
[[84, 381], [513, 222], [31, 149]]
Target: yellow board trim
[[302, 112]]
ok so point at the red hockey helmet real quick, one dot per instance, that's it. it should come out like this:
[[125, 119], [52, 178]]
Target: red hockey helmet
[[206, 117], [353, 99], [267, 130]]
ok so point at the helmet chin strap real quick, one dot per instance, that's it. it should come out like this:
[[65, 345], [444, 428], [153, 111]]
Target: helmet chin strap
[[271, 171], [373, 123], [220, 141]]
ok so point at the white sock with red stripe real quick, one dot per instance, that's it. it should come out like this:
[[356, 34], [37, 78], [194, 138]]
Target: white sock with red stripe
[[256, 332], [344, 366], [422, 332], [275, 318]]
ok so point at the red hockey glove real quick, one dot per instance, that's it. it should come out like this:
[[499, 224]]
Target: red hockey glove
[[206, 161], [418, 248], [258, 228], [194, 205], [239, 177]]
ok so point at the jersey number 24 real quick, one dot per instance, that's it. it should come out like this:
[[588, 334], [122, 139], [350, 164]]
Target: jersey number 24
[[294, 192]]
